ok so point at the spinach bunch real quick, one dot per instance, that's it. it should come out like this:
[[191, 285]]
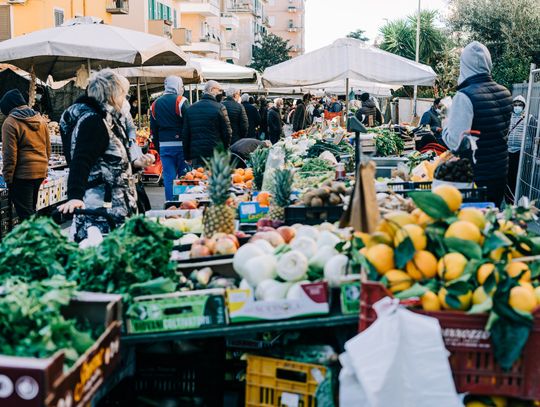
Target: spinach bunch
[[35, 250], [136, 253], [31, 322]]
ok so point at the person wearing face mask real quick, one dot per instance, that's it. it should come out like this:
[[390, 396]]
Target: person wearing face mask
[[206, 126], [482, 105], [166, 124], [515, 137], [237, 114], [432, 118]]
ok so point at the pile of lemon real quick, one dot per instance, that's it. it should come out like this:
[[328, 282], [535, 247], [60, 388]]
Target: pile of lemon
[[467, 224]]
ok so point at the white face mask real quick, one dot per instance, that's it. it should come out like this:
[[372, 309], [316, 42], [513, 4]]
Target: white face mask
[[439, 111], [518, 109]]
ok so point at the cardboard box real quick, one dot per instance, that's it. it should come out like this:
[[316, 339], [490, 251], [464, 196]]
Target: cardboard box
[[251, 212], [243, 307], [33, 382], [177, 312]]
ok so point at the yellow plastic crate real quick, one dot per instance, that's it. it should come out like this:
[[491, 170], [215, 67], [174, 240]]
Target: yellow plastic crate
[[277, 382]]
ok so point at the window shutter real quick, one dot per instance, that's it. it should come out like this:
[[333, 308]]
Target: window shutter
[[58, 18], [151, 9], [175, 19], [5, 23]]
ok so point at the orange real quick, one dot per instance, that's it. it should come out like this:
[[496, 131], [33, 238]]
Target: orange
[[249, 184], [239, 171], [237, 178], [204, 177], [197, 174], [263, 198], [248, 176], [200, 169], [189, 176]]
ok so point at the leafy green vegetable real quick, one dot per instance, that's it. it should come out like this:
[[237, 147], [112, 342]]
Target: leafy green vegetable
[[31, 322], [315, 165], [35, 250], [388, 143], [135, 253], [320, 146]]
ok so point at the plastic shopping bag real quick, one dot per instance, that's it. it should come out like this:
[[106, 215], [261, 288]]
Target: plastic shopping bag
[[350, 389], [401, 361]]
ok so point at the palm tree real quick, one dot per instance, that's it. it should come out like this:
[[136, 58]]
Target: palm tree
[[358, 35]]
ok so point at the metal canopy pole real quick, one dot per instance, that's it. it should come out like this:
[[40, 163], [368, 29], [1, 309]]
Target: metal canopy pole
[[417, 56], [139, 106]]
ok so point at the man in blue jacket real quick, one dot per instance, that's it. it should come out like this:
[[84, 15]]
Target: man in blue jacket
[[166, 124]]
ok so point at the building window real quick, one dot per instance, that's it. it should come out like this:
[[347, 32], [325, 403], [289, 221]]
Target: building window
[[291, 23], [151, 9], [175, 19], [5, 23], [271, 2], [58, 17]]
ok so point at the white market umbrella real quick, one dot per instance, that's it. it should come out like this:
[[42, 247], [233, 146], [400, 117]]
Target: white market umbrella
[[60, 51], [214, 69], [348, 59]]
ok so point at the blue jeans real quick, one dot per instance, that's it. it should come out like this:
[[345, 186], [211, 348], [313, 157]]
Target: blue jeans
[[173, 167]]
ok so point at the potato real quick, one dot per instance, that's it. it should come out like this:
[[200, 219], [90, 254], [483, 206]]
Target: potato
[[334, 199], [316, 201]]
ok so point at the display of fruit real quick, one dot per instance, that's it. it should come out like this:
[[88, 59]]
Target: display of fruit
[[243, 178], [184, 225], [281, 193], [194, 176], [331, 193], [455, 170], [219, 216], [220, 244]]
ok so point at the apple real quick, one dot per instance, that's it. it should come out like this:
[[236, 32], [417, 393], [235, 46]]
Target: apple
[[219, 235], [225, 246], [267, 229], [287, 233], [198, 250], [204, 241], [274, 238], [188, 205], [234, 239]]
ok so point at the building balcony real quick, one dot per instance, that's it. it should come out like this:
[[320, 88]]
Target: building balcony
[[117, 7], [160, 27], [206, 8], [293, 29], [293, 9], [241, 6], [230, 52], [230, 20], [181, 36], [203, 46]]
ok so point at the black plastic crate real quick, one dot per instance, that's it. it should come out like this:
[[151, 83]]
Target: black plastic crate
[[312, 215], [470, 195]]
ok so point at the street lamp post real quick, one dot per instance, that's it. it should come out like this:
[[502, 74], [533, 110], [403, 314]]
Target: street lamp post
[[417, 56]]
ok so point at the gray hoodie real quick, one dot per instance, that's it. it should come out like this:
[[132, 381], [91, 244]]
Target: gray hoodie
[[475, 59]]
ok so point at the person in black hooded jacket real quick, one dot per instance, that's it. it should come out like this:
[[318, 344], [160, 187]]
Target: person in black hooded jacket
[[254, 119], [206, 126], [263, 112], [368, 110], [237, 115]]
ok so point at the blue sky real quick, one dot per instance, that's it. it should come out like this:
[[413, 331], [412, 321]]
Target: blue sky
[[327, 20]]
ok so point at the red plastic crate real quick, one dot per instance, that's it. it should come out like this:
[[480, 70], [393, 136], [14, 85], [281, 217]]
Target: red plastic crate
[[471, 354]]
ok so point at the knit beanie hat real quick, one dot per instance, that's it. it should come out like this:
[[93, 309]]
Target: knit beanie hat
[[11, 100]]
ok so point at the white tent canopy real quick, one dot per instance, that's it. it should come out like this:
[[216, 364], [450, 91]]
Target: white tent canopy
[[214, 69], [156, 74], [351, 59], [60, 51]]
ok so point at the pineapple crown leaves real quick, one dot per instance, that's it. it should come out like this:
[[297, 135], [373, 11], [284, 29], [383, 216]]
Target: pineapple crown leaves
[[257, 161], [219, 180], [282, 186]]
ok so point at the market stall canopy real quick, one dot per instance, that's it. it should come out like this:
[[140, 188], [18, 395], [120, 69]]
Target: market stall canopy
[[214, 69], [157, 74], [351, 59], [61, 51]]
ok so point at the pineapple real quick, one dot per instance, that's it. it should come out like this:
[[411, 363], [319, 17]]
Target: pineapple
[[281, 192], [219, 217]]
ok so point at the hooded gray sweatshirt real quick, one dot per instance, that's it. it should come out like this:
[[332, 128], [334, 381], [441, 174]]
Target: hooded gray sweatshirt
[[475, 59]]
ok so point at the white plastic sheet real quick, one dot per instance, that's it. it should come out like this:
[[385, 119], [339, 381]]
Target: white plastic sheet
[[401, 361]]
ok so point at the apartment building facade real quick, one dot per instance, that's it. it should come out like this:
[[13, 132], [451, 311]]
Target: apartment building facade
[[287, 20], [18, 17]]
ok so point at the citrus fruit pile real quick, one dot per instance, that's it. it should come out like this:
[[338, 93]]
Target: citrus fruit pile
[[243, 178], [453, 257]]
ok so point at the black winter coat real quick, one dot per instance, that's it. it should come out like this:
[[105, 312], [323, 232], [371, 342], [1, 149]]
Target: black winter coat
[[299, 120], [263, 112], [369, 108], [206, 125], [237, 117], [254, 119], [275, 125]]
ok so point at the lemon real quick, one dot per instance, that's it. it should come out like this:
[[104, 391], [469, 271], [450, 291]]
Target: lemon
[[451, 266], [465, 230], [474, 216], [365, 237], [393, 221], [430, 301], [500, 254], [415, 233], [515, 268], [479, 295], [398, 280], [484, 271], [381, 256], [537, 293], [422, 266], [464, 299], [380, 237], [521, 298], [451, 196], [422, 218]]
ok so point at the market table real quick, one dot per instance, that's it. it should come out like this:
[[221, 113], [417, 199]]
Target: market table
[[332, 320]]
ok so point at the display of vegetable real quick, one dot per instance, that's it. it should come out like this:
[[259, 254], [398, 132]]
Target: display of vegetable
[[127, 259], [35, 250], [32, 324], [313, 166], [388, 143], [320, 146], [330, 194]]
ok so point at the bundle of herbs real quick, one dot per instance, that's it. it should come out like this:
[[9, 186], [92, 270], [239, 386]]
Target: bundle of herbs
[[35, 250], [32, 324], [132, 260]]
